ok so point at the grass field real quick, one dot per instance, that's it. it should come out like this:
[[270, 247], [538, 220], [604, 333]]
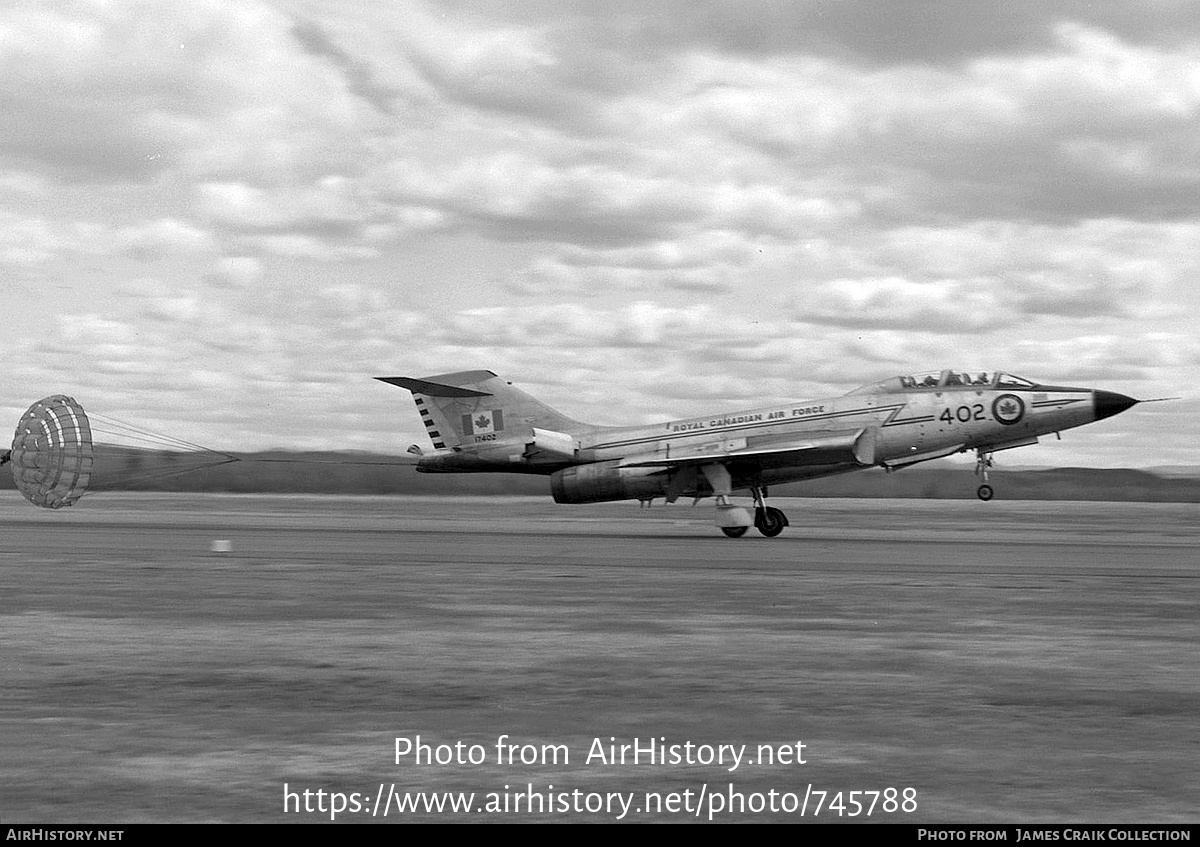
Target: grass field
[[1011, 662]]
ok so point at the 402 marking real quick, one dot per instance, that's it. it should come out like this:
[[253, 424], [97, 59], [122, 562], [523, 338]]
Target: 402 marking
[[963, 414]]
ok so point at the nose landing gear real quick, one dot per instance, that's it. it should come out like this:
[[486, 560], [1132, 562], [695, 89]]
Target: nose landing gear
[[983, 461]]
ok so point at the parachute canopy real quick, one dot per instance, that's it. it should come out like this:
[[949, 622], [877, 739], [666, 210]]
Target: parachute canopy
[[52, 452]]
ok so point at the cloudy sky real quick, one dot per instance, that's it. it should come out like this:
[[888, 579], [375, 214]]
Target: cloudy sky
[[221, 218]]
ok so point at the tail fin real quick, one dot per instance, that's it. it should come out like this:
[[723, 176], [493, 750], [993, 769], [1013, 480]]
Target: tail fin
[[475, 407]]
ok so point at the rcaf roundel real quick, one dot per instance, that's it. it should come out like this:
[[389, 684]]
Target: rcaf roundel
[[1008, 409]]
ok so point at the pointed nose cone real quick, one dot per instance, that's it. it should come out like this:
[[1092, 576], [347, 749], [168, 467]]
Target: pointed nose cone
[[1109, 403]]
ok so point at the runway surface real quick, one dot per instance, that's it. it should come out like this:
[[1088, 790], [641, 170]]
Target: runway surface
[[1010, 662]]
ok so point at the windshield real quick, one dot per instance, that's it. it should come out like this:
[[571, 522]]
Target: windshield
[[1013, 381]]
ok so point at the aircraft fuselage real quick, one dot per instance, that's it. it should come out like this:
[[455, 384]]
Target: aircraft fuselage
[[909, 426], [482, 423]]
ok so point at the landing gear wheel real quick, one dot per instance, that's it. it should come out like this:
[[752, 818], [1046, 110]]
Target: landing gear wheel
[[770, 521], [734, 531], [983, 461]]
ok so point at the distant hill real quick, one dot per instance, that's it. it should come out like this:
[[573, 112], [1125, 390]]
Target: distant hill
[[1178, 471], [1048, 484], [127, 469]]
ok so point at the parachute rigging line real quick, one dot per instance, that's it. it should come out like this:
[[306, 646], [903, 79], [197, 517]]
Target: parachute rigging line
[[134, 432], [196, 457], [56, 459], [400, 464]]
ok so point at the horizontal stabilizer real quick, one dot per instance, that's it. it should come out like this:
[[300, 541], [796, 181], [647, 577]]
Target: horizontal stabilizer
[[431, 389]]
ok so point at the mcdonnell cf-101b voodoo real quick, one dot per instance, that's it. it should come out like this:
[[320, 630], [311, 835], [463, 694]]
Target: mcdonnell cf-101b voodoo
[[479, 422]]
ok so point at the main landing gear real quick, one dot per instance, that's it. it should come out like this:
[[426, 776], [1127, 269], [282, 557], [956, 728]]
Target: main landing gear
[[767, 519], [733, 520], [983, 461]]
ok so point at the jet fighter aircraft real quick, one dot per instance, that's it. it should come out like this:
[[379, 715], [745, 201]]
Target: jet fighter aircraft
[[480, 422]]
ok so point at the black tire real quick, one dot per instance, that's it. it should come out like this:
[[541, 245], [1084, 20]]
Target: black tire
[[734, 531], [770, 521], [985, 492]]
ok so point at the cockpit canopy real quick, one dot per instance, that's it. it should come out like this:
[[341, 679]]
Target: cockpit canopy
[[946, 379]]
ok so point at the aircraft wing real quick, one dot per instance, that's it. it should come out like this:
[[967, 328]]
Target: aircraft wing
[[855, 446]]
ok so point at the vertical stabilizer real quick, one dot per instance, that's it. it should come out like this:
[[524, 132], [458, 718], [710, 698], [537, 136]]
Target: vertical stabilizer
[[477, 407]]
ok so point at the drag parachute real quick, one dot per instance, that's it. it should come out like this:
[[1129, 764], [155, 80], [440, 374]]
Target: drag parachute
[[52, 452], [55, 459]]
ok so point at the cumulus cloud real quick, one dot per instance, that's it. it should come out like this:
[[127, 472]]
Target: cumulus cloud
[[947, 306], [124, 91], [165, 235], [29, 240], [235, 272], [636, 208]]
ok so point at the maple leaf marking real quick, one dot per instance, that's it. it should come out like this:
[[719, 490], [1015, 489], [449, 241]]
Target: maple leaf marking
[[1008, 408], [483, 422]]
